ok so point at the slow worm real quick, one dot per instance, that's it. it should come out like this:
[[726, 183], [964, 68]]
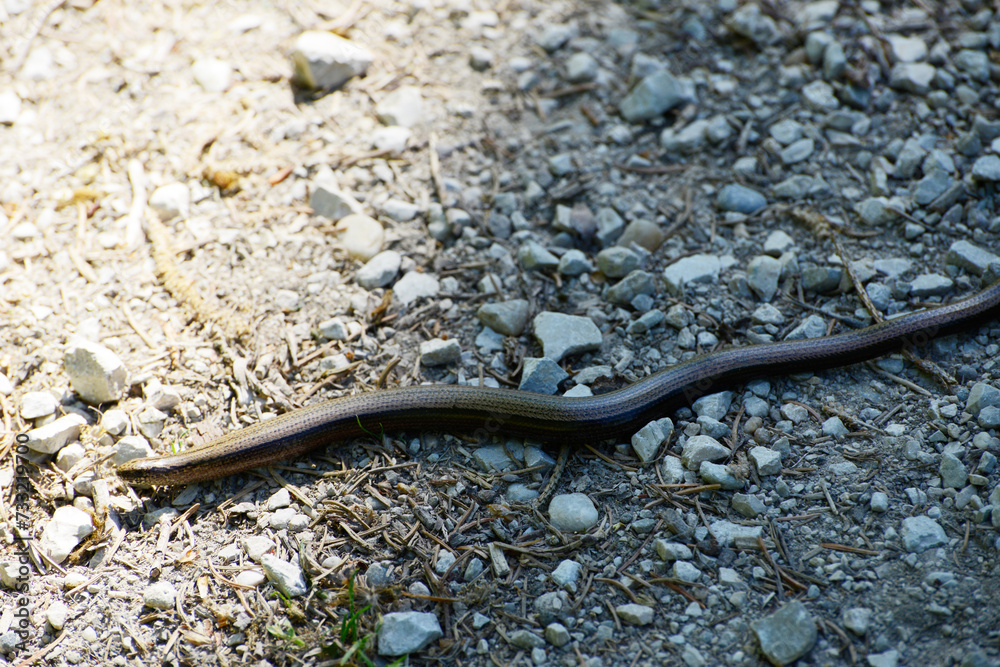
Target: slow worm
[[555, 419]]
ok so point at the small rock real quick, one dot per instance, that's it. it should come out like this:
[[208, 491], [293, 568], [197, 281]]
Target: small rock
[[573, 512], [626, 290], [506, 317], [52, 437], [649, 438], [748, 505], [921, 533], [64, 531], [787, 634], [534, 257], [96, 373], [700, 448], [986, 168], [635, 614], [740, 199], [541, 375], [763, 273], [57, 614], [643, 233], [160, 595], [171, 201], [685, 571], [693, 269], [437, 352], [953, 472], [35, 404], [671, 551], [617, 261], [287, 577], [324, 60], [380, 270], [581, 67], [714, 473], [329, 201], [415, 285], [912, 77], [361, 236], [857, 620], [403, 106], [405, 632], [562, 334], [212, 74], [653, 96]]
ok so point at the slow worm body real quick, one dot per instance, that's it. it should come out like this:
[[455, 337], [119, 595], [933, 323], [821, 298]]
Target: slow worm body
[[555, 419]]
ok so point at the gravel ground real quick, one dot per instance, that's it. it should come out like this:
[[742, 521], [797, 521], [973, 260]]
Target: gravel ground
[[559, 196]]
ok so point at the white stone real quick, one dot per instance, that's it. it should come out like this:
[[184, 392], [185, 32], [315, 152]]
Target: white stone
[[64, 531], [324, 60]]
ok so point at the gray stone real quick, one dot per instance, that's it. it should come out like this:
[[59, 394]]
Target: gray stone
[[160, 595], [931, 284], [635, 283], [857, 620], [693, 269], [649, 438], [534, 257], [912, 77], [714, 405], [688, 139], [813, 326], [671, 551], [767, 461], [763, 273], [953, 472], [567, 574], [888, 658], [35, 404], [920, 533], [907, 49], [609, 226], [727, 532], [573, 263], [506, 317], [787, 634], [740, 199], [635, 614], [986, 168], [654, 95], [617, 261], [715, 473], [562, 334], [405, 632], [819, 96], [380, 270], [879, 502], [748, 505], [52, 437], [581, 67], [685, 571], [750, 22], [96, 373], [573, 512], [701, 448], [403, 106], [931, 186], [438, 352], [415, 285], [646, 322], [541, 375], [970, 257], [973, 62], [324, 60], [797, 151], [557, 634]]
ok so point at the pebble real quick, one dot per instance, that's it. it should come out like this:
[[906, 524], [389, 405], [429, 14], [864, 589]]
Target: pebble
[[35, 404], [763, 273], [671, 551], [652, 96], [740, 199], [212, 74], [609, 226], [541, 376], [561, 334], [797, 151], [57, 614], [888, 658], [329, 201], [912, 77], [714, 405], [685, 571], [953, 472], [160, 595], [819, 95], [581, 67], [557, 634], [567, 574], [728, 532], [573, 263], [392, 138], [171, 201], [51, 437], [403, 107], [324, 60], [628, 288], [647, 441], [438, 352], [286, 576], [64, 531], [748, 505], [573, 512], [750, 22], [360, 235], [693, 269], [986, 168], [907, 49], [931, 284], [643, 233], [701, 448], [920, 533], [635, 614], [96, 373], [787, 634], [415, 285], [506, 317], [399, 210], [405, 632], [857, 620], [131, 447], [534, 257], [10, 107], [617, 261], [714, 473], [380, 270], [767, 461]]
